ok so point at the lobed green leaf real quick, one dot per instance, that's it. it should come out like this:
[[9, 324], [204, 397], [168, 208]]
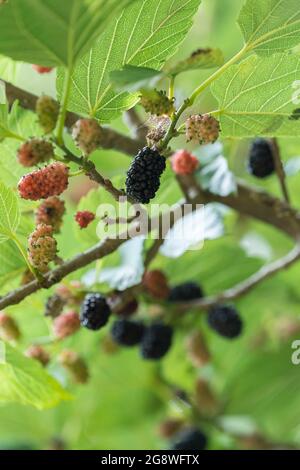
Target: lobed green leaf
[[144, 35]]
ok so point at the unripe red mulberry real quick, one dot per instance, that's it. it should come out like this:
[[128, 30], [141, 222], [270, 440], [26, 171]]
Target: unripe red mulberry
[[184, 163], [50, 212], [35, 151], [9, 330], [122, 307], [39, 353], [169, 427], [75, 365], [66, 324], [41, 247], [204, 398], [156, 102], [51, 180], [54, 306], [84, 218], [197, 349], [47, 110], [202, 128], [88, 135], [41, 68], [156, 283]]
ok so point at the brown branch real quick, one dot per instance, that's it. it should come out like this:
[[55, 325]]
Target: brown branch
[[135, 124], [279, 169], [249, 201], [111, 138], [99, 251], [245, 286]]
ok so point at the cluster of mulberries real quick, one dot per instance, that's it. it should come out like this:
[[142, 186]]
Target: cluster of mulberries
[[51, 212], [261, 159], [143, 176], [66, 324], [38, 353], [156, 284], [49, 181], [184, 163], [225, 320], [75, 365], [35, 151], [95, 311], [88, 135], [47, 110], [127, 333], [42, 247], [202, 128], [9, 330], [157, 102], [185, 292], [84, 218], [155, 339]]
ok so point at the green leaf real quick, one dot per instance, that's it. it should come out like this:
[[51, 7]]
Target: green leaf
[[144, 35], [9, 213], [270, 26], [52, 32], [256, 97], [24, 380], [11, 262], [131, 75], [24, 123], [200, 59]]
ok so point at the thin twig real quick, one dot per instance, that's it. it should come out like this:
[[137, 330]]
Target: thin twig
[[245, 286], [279, 169], [111, 139], [135, 124]]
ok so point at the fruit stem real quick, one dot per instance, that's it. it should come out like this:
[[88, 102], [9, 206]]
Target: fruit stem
[[63, 107], [172, 87], [217, 74], [76, 173], [190, 101]]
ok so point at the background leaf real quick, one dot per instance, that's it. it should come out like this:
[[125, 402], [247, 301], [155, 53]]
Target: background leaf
[[9, 212], [52, 32], [270, 26], [200, 59], [145, 35], [24, 380], [256, 97], [131, 75]]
